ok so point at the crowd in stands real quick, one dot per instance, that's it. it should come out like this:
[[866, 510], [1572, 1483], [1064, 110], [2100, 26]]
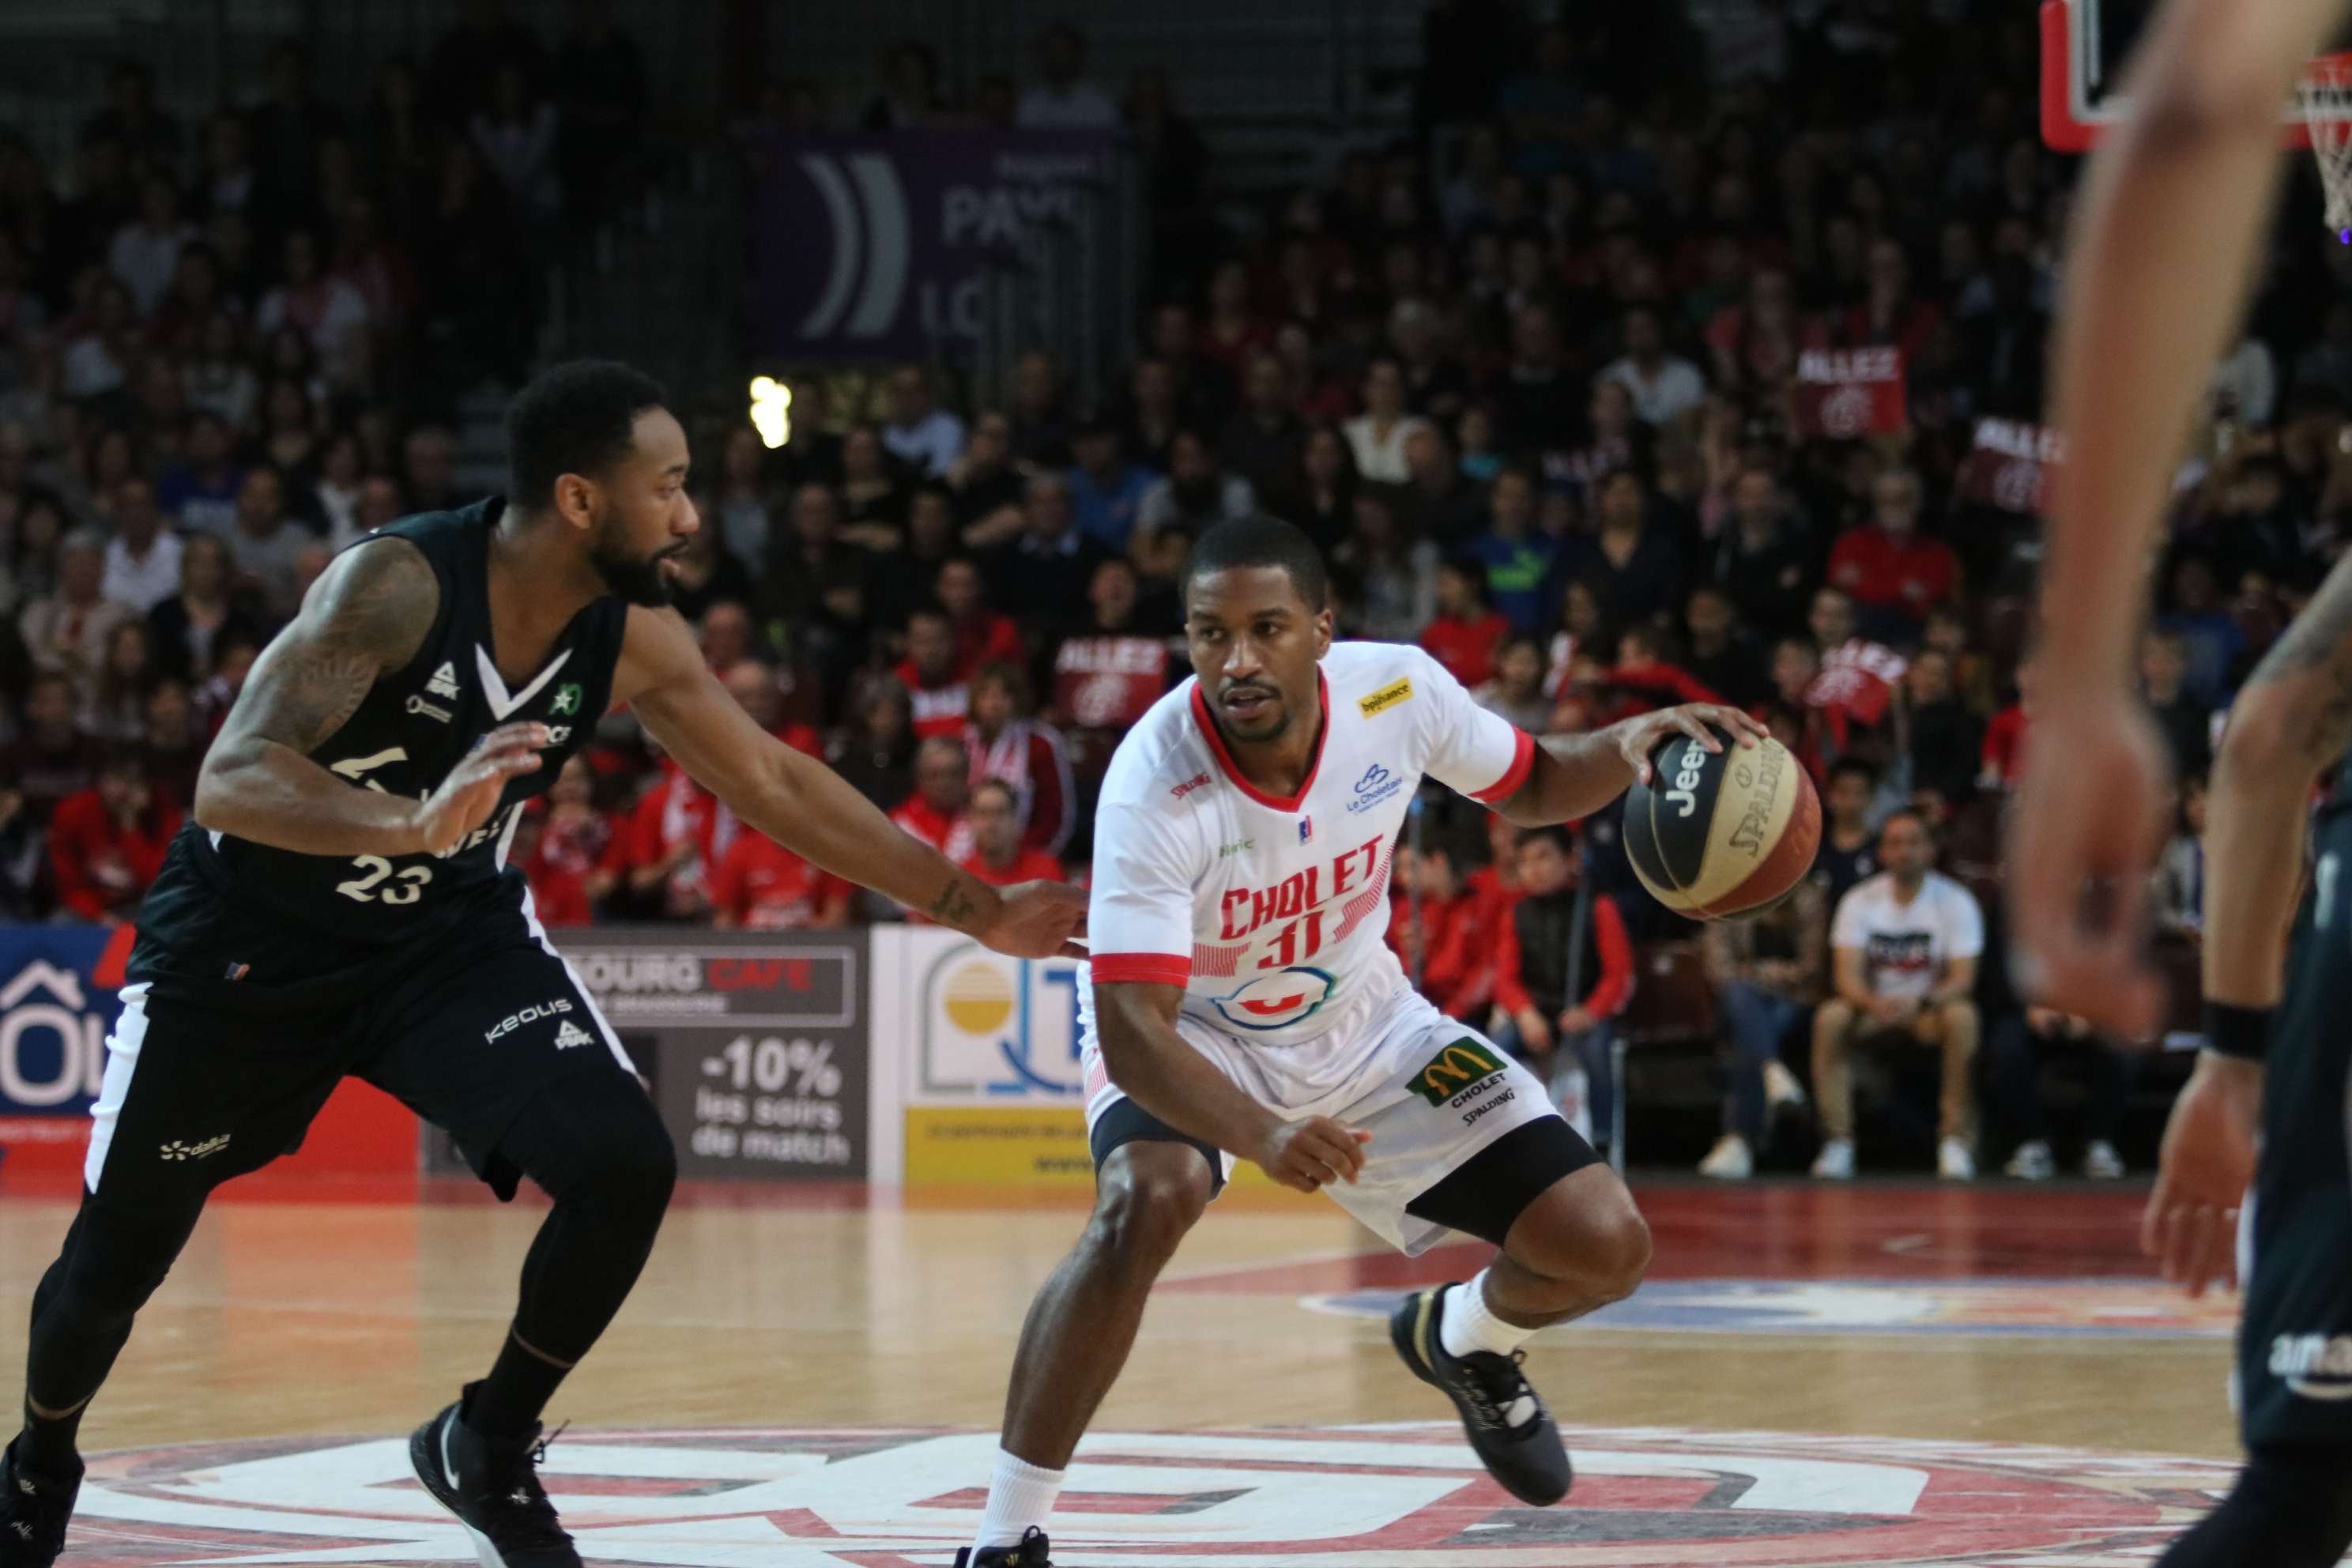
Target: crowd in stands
[[1532, 377]]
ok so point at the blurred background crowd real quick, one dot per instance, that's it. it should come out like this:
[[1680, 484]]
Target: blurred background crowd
[[1528, 368]]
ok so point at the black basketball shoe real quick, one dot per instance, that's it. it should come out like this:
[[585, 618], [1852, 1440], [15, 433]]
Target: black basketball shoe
[[1030, 1553], [34, 1509], [1503, 1417], [492, 1486]]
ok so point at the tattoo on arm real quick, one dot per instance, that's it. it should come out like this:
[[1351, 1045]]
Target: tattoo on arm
[[2320, 641], [369, 614], [954, 905]]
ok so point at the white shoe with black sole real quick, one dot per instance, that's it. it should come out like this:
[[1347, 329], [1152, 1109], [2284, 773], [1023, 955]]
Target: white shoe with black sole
[[492, 1486]]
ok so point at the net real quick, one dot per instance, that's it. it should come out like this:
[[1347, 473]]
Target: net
[[2326, 96]]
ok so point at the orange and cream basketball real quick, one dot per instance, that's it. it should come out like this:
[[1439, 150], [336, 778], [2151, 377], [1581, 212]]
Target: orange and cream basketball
[[1722, 833]]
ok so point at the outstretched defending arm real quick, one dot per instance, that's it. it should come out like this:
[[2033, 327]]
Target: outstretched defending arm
[[2175, 208], [804, 806], [367, 615]]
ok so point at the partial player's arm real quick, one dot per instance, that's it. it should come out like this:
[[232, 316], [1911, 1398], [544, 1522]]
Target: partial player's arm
[[804, 806], [1151, 1064], [2294, 719], [2174, 210], [366, 615]]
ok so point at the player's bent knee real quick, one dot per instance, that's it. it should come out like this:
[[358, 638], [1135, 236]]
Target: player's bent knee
[[1151, 1194], [1587, 1229]]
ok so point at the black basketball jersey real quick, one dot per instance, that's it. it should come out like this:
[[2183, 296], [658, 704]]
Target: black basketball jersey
[[414, 727]]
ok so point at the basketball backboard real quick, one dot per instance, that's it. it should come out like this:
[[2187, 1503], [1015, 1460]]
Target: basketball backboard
[[2085, 44]]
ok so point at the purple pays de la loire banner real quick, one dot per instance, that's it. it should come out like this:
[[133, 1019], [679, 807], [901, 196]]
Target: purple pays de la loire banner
[[870, 246]]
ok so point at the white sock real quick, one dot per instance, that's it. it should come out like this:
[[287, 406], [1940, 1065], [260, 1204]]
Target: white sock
[[1020, 1495], [1466, 1324]]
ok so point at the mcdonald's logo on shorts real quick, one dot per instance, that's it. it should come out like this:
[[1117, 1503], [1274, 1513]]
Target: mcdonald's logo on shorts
[[1455, 1069]]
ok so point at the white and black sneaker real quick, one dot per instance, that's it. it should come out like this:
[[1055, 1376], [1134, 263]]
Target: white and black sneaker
[[492, 1486], [34, 1509], [1501, 1415], [1030, 1553]]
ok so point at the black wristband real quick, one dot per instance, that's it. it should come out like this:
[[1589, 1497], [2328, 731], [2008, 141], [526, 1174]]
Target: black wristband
[[2240, 1032]]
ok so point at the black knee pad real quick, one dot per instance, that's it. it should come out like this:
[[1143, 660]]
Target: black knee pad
[[115, 1257], [594, 1136]]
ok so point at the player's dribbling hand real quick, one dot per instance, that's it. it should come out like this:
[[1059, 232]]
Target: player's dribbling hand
[[2093, 809], [1638, 737], [2191, 1224], [1038, 919], [470, 793], [1310, 1155]]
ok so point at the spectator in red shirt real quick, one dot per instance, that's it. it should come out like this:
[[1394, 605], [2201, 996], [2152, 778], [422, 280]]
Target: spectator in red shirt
[[1646, 671], [677, 832], [1889, 312], [1542, 943], [1894, 572], [559, 891], [1443, 900], [107, 842], [1000, 855], [982, 636], [2006, 736], [1008, 745], [937, 684], [1464, 632], [753, 685], [939, 811], [576, 838], [759, 885]]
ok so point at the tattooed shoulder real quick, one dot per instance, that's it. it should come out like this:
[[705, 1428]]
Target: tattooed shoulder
[[369, 614]]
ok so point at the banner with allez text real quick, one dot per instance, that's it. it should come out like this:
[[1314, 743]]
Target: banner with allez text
[[2007, 465], [1843, 393]]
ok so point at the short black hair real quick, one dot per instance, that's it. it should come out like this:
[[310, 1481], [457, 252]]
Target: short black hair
[[1856, 766], [1260, 541], [1552, 833], [577, 418]]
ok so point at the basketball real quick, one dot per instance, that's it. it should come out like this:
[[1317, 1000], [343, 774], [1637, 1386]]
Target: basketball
[[1722, 833]]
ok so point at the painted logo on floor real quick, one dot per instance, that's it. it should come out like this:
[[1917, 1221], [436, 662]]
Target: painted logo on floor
[[1405, 1497], [2117, 1309]]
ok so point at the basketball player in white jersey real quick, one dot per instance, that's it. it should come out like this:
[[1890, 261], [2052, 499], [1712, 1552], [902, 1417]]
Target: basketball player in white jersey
[[2177, 207], [1244, 1005]]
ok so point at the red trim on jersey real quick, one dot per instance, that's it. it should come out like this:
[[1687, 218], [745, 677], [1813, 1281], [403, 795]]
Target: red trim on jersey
[[1522, 757], [1226, 762], [1149, 968]]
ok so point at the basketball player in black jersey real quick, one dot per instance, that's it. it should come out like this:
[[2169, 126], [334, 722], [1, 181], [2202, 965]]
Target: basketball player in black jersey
[[341, 905], [2176, 210]]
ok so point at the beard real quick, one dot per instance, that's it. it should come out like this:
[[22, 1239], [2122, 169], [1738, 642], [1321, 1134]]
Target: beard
[[635, 579]]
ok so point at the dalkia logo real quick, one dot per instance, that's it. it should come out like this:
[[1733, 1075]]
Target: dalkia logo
[[1457, 1068], [1273, 1001]]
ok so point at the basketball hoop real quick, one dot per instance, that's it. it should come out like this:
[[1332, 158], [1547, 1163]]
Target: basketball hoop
[[2326, 97]]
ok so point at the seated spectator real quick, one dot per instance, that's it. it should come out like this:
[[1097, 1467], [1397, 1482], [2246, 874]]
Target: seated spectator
[[677, 832], [703, 575], [939, 812], [1763, 560], [1065, 99], [920, 434], [1646, 673], [813, 574], [51, 757], [1040, 414], [1464, 633], [1041, 577], [759, 885], [1848, 855], [559, 894], [872, 493], [331, 314], [1516, 693], [2186, 724], [1904, 949], [143, 559], [1377, 436], [1320, 495], [933, 677], [2019, 1047], [190, 625], [1261, 440], [2177, 901], [1195, 489], [874, 754], [752, 683], [116, 711], [1637, 563], [1895, 572], [1106, 490], [984, 487], [174, 742], [1025, 756], [1541, 957], [66, 633], [1461, 965], [1522, 564], [233, 656], [1722, 656], [1947, 739], [1425, 899], [982, 636], [267, 545], [576, 836], [107, 842], [2215, 642], [1385, 579], [1768, 970], [1000, 854], [1664, 386], [2003, 758], [27, 884], [1438, 502], [736, 509]]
